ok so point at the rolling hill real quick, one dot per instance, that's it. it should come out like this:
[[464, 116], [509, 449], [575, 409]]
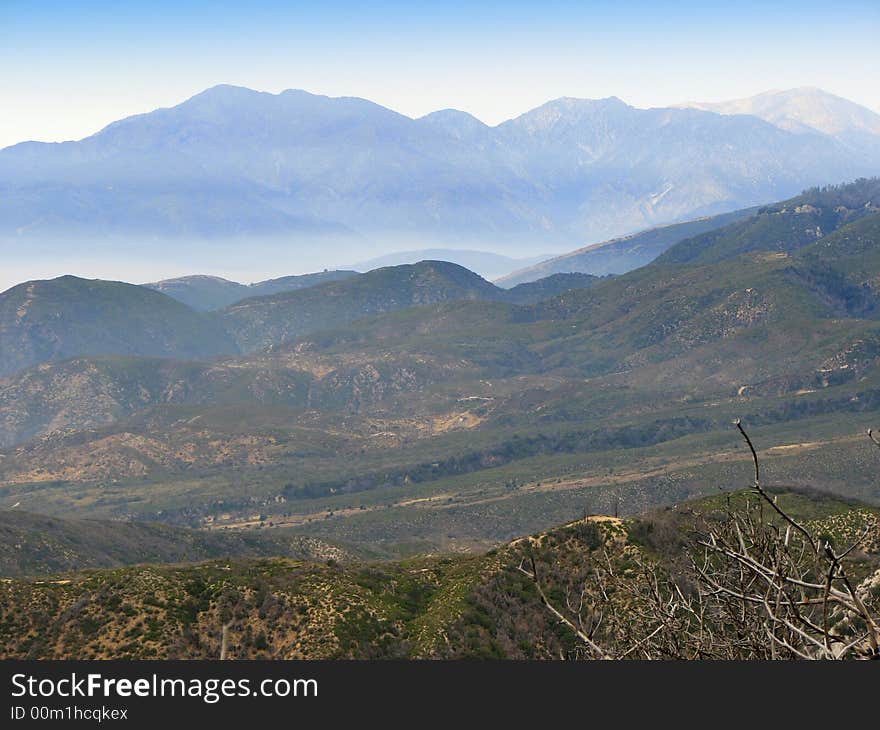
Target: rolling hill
[[92, 391], [69, 316], [261, 322], [207, 293], [486, 264], [47, 321], [264, 321]]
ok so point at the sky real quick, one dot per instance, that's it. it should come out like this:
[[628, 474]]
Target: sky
[[69, 67]]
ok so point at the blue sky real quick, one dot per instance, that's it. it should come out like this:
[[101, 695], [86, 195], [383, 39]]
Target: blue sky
[[69, 67]]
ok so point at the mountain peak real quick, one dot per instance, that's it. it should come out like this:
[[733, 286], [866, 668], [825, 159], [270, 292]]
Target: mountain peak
[[584, 101], [280, 169], [567, 111], [229, 90], [225, 94], [801, 109], [458, 124]]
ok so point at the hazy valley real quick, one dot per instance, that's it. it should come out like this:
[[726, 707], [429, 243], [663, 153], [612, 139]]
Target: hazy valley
[[409, 398]]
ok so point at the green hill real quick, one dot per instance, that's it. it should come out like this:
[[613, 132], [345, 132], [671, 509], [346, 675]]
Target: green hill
[[69, 317], [261, 322], [264, 321]]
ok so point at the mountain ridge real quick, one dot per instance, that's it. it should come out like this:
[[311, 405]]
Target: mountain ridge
[[70, 317], [205, 293], [623, 254], [229, 164]]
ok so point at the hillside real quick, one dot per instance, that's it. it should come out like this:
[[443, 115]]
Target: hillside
[[82, 393], [451, 607], [32, 544], [548, 287], [69, 316], [261, 322], [783, 227], [620, 255], [206, 293], [91, 392]]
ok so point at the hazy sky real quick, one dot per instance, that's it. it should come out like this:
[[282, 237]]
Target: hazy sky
[[68, 67]]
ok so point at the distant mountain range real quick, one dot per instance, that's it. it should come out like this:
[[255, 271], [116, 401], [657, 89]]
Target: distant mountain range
[[233, 175]]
